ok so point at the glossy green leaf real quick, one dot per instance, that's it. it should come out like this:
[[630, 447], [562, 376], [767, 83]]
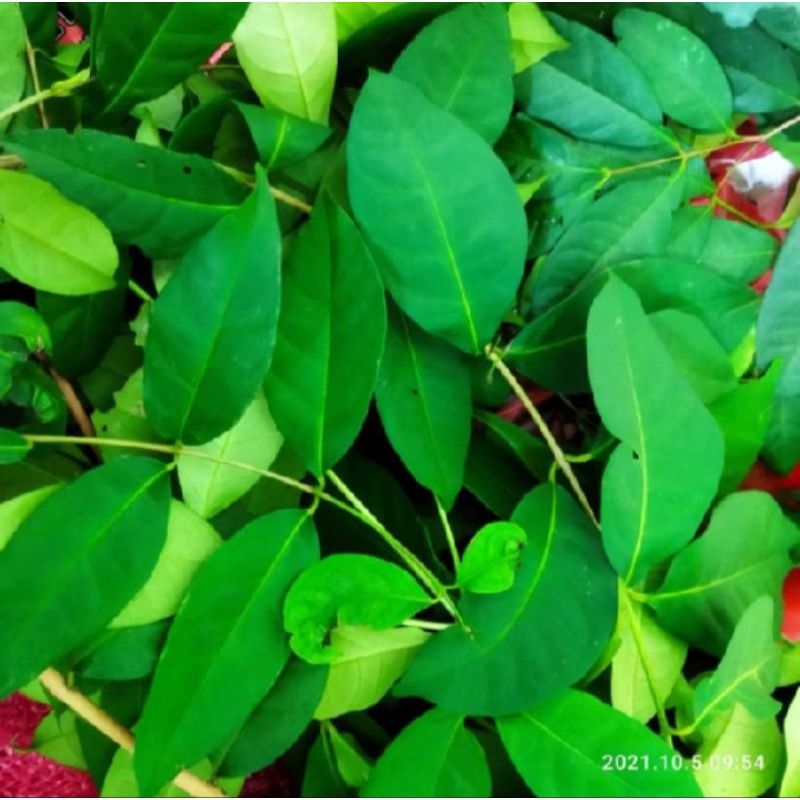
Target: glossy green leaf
[[632, 681], [213, 327], [140, 52], [532, 36], [225, 628], [19, 321], [649, 509], [418, 181], [118, 522], [561, 749], [190, 541], [208, 487], [685, 76], [462, 63], [13, 71], [424, 399], [631, 221], [434, 756], [278, 720], [743, 554], [504, 665], [748, 671], [123, 654], [613, 105], [330, 339], [288, 53], [149, 196], [367, 664], [14, 511], [492, 557], [50, 243], [13, 447], [347, 589]]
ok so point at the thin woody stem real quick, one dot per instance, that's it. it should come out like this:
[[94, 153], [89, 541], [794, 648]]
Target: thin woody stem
[[56, 685], [37, 87]]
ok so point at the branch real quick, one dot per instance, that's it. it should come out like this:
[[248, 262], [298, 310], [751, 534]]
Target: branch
[[37, 87], [54, 682]]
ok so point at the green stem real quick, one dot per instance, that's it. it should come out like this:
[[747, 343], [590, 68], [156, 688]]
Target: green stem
[[58, 89], [425, 576], [547, 435], [140, 292], [426, 625], [448, 532]]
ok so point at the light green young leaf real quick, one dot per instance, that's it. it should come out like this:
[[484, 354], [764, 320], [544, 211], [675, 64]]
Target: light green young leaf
[[462, 62], [229, 625], [330, 338], [424, 399], [14, 511], [347, 589], [50, 243], [790, 783], [532, 36], [13, 71], [743, 554], [434, 756], [418, 180], [288, 53], [685, 76], [649, 510], [56, 738], [190, 541], [19, 321], [112, 523], [492, 558], [505, 662], [352, 764], [560, 749], [209, 487], [213, 328], [748, 672], [632, 681], [367, 664]]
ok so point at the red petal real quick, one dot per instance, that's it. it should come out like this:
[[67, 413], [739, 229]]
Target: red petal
[[790, 628]]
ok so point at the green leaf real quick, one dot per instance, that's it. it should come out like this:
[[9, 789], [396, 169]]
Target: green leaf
[[19, 321], [123, 654], [778, 337], [321, 777], [281, 138], [424, 399], [57, 739], [532, 36], [14, 511], [142, 52], [632, 681], [330, 339], [491, 559], [699, 357], [434, 756], [149, 196], [190, 541], [748, 672], [743, 416], [744, 761], [367, 665], [505, 663], [225, 628], [561, 749], [13, 447], [418, 180], [790, 783], [213, 327], [351, 763], [649, 509], [50, 243], [462, 62], [352, 17], [288, 53], [613, 105], [54, 599], [686, 77], [347, 589], [278, 720], [13, 71], [631, 221], [743, 554], [209, 487]]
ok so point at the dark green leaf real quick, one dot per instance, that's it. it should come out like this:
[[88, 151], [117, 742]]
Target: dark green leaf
[[54, 599], [213, 327], [13, 447], [225, 648], [419, 180], [124, 654]]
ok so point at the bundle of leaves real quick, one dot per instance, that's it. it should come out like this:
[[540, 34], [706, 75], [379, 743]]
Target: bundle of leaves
[[407, 392]]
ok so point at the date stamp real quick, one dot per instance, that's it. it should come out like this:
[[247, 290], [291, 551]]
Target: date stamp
[[642, 762]]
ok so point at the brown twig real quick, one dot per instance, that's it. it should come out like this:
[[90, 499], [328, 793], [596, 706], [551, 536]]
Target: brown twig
[[54, 682], [37, 87]]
